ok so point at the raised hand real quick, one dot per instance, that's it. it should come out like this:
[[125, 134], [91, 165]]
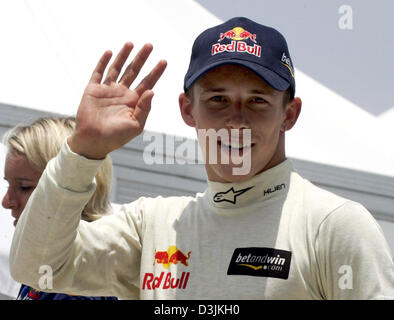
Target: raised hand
[[110, 114]]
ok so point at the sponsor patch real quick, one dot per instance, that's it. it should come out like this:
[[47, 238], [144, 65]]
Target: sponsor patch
[[273, 189], [164, 281], [230, 195], [172, 255], [260, 262], [238, 35], [287, 63], [167, 280]]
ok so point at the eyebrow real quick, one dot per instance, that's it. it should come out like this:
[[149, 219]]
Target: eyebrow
[[219, 90], [207, 90], [258, 91], [19, 179]]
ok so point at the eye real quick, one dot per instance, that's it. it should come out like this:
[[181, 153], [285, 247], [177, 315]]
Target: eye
[[218, 99], [257, 103], [257, 100], [217, 102], [26, 188]]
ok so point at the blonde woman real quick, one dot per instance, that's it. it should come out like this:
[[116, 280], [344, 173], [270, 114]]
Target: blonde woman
[[29, 148]]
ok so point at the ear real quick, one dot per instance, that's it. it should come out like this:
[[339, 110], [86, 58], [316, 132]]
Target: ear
[[293, 110], [185, 106]]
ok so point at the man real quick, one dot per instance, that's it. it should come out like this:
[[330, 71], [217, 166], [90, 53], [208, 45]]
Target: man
[[266, 233]]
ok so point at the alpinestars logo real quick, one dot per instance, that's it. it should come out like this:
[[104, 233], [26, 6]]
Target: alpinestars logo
[[238, 35], [260, 262], [229, 195]]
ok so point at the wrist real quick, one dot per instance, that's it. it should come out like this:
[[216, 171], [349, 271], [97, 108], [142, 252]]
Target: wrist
[[77, 146]]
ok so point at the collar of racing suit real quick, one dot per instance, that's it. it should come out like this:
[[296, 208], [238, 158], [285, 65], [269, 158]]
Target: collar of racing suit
[[269, 184]]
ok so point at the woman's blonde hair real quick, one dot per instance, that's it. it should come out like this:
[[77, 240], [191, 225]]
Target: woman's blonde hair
[[41, 140]]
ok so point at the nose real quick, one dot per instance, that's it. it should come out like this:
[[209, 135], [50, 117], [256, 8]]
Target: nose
[[8, 202], [237, 117]]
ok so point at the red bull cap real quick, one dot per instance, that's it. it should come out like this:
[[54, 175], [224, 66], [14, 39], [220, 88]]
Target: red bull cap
[[243, 42]]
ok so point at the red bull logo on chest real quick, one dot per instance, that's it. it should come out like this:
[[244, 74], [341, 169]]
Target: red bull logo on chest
[[166, 280], [172, 255], [238, 36]]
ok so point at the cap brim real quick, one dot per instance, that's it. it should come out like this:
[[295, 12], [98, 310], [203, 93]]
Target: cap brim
[[272, 78]]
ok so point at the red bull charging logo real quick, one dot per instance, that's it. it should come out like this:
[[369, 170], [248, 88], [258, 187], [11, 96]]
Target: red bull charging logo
[[238, 36], [172, 255], [238, 33]]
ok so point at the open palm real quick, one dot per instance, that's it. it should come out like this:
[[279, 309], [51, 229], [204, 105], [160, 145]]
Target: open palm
[[110, 114]]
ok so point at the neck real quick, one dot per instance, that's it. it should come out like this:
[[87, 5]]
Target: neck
[[271, 183]]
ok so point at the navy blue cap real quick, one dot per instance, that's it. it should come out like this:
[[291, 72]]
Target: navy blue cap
[[243, 42]]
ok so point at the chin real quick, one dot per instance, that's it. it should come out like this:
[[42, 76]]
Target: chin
[[229, 173]]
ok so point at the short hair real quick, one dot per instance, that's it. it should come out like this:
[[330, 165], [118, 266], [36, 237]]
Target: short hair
[[287, 97], [41, 141]]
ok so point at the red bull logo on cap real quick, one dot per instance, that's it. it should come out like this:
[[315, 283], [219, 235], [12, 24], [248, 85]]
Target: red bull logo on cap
[[238, 35], [172, 255]]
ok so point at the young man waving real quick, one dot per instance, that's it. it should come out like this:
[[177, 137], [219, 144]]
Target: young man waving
[[264, 233]]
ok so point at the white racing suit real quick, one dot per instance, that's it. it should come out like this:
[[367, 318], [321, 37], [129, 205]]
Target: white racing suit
[[275, 236]]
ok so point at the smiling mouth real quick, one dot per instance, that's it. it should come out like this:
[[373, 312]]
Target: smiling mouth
[[235, 145], [235, 148]]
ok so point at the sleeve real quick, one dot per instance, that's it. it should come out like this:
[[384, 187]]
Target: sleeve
[[53, 250], [353, 256]]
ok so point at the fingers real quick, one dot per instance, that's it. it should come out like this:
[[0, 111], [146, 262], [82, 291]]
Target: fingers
[[135, 66], [100, 68], [150, 80], [116, 67], [132, 70]]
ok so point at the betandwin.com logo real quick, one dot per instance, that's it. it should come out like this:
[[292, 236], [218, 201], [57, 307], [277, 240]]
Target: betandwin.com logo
[[260, 262]]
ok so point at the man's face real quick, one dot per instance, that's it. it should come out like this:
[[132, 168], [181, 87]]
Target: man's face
[[232, 97]]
